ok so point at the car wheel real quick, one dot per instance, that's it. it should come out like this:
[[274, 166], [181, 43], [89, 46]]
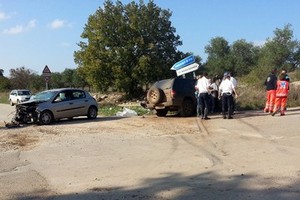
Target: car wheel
[[161, 112], [11, 103], [187, 108], [92, 112], [18, 101], [155, 95], [46, 117]]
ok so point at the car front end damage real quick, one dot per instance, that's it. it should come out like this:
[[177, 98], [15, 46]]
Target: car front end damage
[[25, 113]]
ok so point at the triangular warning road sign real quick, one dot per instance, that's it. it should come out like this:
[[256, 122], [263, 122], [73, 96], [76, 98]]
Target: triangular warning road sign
[[46, 70]]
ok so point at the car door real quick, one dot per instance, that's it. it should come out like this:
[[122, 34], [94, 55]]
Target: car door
[[63, 106], [79, 102]]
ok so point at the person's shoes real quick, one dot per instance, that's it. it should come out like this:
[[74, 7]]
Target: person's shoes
[[274, 113], [206, 118], [266, 110], [224, 117], [282, 114], [230, 117]]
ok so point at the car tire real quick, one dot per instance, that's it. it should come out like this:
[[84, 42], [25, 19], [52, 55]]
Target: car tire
[[11, 103], [155, 95], [92, 112], [161, 112], [187, 108], [46, 117]]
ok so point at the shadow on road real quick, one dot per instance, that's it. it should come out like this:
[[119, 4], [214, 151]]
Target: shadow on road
[[202, 186]]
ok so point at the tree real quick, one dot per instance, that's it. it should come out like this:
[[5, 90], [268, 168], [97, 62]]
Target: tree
[[1, 72], [244, 57], [67, 77], [4, 83], [281, 50], [20, 78], [56, 80], [218, 59], [127, 46]]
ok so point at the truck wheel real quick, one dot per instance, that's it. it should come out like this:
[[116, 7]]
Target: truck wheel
[[161, 112], [187, 109], [155, 95]]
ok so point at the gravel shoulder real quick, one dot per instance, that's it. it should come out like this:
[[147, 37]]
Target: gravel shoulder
[[254, 156]]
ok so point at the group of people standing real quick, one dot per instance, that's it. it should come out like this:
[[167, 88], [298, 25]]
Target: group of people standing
[[277, 92], [210, 94]]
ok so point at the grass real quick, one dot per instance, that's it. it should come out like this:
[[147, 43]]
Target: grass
[[4, 97]]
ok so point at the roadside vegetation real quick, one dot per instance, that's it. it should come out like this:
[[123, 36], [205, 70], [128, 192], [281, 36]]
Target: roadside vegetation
[[127, 47]]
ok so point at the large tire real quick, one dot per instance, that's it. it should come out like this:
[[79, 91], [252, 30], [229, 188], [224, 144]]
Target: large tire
[[187, 108], [46, 117], [155, 95], [161, 112], [92, 112]]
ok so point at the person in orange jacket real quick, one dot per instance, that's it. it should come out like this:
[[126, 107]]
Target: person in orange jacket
[[282, 92]]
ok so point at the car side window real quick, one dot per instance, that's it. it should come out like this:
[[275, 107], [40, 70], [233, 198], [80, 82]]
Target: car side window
[[78, 94], [60, 97]]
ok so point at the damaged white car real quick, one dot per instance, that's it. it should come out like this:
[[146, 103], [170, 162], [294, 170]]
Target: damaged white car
[[50, 105]]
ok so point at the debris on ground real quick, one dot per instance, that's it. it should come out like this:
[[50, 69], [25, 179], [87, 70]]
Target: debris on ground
[[126, 113]]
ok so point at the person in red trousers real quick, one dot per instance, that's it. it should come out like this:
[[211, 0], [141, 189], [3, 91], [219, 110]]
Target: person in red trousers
[[282, 92], [270, 84]]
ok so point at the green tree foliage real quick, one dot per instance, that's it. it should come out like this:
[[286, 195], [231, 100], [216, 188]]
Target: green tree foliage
[[218, 59], [1, 72], [67, 77], [20, 78], [127, 46], [37, 83], [244, 57], [281, 51], [239, 58], [56, 80], [4, 83]]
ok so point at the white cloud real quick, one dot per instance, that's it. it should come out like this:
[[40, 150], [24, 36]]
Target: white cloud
[[57, 23], [20, 28], [4, 16], [31, 24], [14, 30]]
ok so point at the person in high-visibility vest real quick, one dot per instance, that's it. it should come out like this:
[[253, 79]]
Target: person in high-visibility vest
[[282, 92], [270, 84]]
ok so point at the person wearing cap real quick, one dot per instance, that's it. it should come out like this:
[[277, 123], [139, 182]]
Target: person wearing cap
[[226, 92], [270, 84], [202, 87]]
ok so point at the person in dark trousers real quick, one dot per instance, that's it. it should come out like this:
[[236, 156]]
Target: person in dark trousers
[[202, 87], [270, 84], [226, 92]]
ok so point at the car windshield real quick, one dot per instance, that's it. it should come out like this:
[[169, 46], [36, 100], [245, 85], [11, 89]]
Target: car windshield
[[44, 96], [23, 92]]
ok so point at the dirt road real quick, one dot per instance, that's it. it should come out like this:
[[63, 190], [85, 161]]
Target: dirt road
[[254, 156]]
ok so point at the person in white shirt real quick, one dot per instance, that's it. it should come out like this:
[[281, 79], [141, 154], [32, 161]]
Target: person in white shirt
[[226, 92], [202, 87]]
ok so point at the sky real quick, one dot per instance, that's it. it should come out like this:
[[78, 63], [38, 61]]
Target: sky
[[36, 33]]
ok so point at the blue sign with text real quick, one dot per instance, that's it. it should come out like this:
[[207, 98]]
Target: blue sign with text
[[184, 62]]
